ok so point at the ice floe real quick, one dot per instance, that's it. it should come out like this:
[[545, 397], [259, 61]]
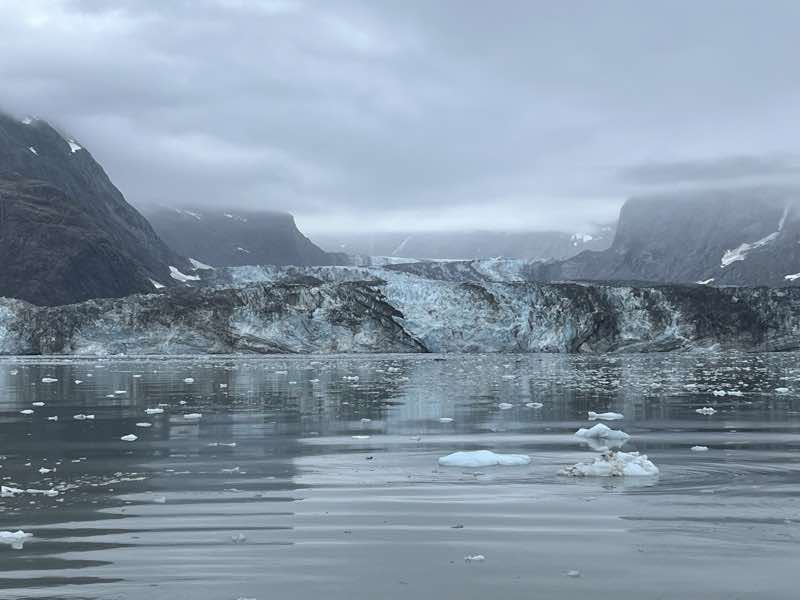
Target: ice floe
[[129, 438], [483, 458], [614, 464], [14, 538], [601, 431], [699, 448], [606, 416], [706, 410]]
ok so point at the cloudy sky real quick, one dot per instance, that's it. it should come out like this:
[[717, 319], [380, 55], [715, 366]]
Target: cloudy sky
[[413, 114]]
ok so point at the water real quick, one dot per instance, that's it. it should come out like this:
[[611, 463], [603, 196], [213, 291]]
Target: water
[[305, 505]]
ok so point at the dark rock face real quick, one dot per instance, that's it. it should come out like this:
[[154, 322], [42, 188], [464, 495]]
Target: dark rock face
[[227, 238], [742, 237], [66, 233]]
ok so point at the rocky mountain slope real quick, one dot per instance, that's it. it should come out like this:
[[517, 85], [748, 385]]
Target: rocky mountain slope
[[66, 233], [224, 238], [727, 237], [351, 309]]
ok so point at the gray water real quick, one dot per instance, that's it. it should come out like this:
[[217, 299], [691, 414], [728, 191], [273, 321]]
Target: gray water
[[300, 508]]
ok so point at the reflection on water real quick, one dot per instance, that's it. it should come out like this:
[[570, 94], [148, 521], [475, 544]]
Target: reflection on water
[[310, 476]]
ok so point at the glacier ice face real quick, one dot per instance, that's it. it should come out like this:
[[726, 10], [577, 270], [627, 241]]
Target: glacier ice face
[[457, 306]]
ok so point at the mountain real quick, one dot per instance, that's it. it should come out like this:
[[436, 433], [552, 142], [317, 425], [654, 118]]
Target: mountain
[[66, 233], [354, 309], [722, 237], [226, 238], [530, 245]]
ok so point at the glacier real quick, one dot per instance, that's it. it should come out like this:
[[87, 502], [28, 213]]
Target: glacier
[[454, 306]]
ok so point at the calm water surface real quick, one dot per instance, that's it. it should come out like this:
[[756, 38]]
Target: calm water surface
[[310, 477]]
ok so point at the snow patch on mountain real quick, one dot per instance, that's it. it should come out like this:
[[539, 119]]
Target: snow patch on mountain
[[182, 277], [740, 253]]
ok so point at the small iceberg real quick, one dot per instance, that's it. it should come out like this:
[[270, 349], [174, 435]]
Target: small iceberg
[[505, 406], [706, 410], [614, 464], [193, 416], [129, 438], [534, 404], [699, 448], [153, 411], [602, 431], [484, 458], [606, 416], [14, 538], [445, 420], [474, 558]]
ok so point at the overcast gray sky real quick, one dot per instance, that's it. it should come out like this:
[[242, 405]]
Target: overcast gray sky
[[413, 114]]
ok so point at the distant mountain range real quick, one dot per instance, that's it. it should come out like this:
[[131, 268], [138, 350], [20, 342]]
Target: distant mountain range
[[723, 237], [66, 233], [226, 238], [529, 245]]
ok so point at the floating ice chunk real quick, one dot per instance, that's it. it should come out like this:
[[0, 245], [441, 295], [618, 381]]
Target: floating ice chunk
[[78, 381], [49, 379], [351, 378], [238, 538], [9, 492], [484, 458], [153, 411], [603, 432], [445, 420], [606, 416], [129, 438], [26, 411], [144, 424], [188, 380], [82, 417], [360, 437], [45, 470], [474, 558], [365, 420], [159, 500], [719, 392], [614, 464], [705, 281], [534, 404], [37, 403], [14, 538], [699, 448], [706, 410], [33, 150], [178, 276], [782, 390], [193, 416], [505, 406], [199, 266], [53, 418], [573, 573], [792, 277]]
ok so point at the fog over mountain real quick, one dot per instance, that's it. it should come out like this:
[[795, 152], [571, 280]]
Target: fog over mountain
[[413, 116]]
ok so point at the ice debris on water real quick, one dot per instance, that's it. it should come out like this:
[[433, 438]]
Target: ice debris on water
[[129, 438], [144, 424], [193, 416], [445, 420], [505, 406], [782, 390], [614, 464], [602, 431], [153, 411], [14, 538], [49, 380], [188, 380], [483, 458], [606, 416], [26, 411], [706, 410], [238, 538], [534, 404], [474, 558], [82, 417], [699, 448]]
